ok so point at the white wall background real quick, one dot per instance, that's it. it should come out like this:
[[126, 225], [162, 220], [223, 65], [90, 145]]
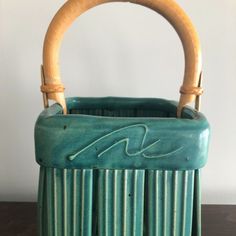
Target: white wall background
[[122, 50]]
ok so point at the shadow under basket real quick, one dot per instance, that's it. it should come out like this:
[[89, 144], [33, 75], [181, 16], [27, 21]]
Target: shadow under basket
[[120, 167]]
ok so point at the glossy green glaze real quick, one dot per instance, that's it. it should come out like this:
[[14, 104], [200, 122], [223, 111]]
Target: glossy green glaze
[[120, 167], [121, 133], [117, 202]]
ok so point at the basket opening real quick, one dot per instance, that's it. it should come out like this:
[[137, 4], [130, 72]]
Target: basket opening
[[134, 112], [159, 108], [127, 107]]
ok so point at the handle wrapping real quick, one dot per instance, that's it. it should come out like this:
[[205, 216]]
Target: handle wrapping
[[169, 9]]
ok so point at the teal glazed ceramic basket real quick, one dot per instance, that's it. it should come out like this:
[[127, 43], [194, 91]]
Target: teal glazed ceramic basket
[[120, 166]]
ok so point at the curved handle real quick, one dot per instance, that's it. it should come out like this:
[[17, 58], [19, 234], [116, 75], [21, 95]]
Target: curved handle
[[52, 87]]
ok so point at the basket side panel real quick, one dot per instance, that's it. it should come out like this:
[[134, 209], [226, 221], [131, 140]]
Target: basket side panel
[[197, 220], [65, 202], [112, 202], [120, 202], [170, 202]]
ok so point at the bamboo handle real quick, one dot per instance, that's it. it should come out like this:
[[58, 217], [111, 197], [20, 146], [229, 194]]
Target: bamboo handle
[[169, 9]]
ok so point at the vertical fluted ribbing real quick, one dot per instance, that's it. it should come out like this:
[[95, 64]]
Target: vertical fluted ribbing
[[125, 212], [65, 202], [120, 210], [106, 202], [55, 204], [175, 203], [189, 202], [165, 202], [135, 206], [101, 203], [184, 201], [170, 203], [196, 228], [65, 213], [156, 204], [153, 196], [41, 190], [75, 204], [115, 207], [49, 202], [82, 204], [133, 202], [138, 196], [86, 193], [118, 202]]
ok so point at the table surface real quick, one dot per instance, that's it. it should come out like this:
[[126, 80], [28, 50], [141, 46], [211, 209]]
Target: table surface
[[19, 219]]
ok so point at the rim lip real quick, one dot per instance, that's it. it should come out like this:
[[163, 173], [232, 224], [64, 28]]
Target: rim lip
[[51, 122], [56, 110]]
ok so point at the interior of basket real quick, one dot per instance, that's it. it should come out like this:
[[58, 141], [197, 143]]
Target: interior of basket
[[127, 107]]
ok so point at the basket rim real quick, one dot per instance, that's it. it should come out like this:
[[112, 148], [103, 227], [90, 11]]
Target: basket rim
[[188, 112], [87, 141]]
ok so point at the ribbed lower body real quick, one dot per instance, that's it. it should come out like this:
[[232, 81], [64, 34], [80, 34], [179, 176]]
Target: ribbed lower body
[[119, 203]]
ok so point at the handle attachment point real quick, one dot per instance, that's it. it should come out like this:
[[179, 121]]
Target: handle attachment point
[[45, 96], [198, 98], [49, 88]]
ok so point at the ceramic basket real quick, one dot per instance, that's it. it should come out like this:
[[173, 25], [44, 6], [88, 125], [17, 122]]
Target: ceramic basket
[[120, 166]]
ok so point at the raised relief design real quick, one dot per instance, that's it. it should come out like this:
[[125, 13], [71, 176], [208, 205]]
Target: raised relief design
[[114, 140]]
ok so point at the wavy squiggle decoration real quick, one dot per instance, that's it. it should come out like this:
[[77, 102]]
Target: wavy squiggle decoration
[[127, 142]]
